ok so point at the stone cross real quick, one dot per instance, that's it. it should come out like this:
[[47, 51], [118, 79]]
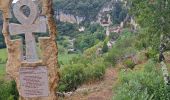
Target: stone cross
[[35, 80], [28, 26]]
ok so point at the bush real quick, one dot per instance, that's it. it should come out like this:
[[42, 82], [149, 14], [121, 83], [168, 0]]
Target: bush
[[151, 53], [129, 63], [147, 84], [71, 77], [95, 71], [8, 90], [105, 48], [113, 56], [74, 75], [124, 46]]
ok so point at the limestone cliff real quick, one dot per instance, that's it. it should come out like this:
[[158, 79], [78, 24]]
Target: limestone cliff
[[66, 17]]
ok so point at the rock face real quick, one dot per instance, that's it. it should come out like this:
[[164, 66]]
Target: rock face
[[4, 7], [106, 8], [64, 17], [48, 49]]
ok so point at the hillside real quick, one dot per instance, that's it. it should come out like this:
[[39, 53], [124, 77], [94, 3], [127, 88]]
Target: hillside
[[83, 8], [107, 50]]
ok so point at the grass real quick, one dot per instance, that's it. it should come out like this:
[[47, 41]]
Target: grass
[[3, 55], [2, 70], [65, 58]]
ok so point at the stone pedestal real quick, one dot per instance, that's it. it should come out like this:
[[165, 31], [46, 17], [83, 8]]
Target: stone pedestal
[[17, 67]]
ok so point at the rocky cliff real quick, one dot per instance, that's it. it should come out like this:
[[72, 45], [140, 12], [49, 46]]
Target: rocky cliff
[[66, 17]]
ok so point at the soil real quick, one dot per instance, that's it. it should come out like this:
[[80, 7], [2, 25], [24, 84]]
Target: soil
[[101, 90]]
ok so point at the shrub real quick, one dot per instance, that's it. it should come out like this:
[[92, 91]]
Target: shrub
[[141, 57], [105, 48], [113, 56], [129, 63], [99, 70], [74, 75], [8, 90], [151, 53], [144, 84], [71, 77], [123, 46], [94, 71]]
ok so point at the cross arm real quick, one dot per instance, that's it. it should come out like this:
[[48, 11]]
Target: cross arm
[[16, 29]]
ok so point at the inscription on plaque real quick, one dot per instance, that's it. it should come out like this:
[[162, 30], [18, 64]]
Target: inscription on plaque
[[34, 81]]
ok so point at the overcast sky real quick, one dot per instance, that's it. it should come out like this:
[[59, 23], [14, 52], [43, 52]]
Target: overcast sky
[[15, 1]]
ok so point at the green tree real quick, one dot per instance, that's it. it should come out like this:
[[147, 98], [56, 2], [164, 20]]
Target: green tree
[[105, 48], [2, 41], [118, 13], [153, 17], [84, 8]]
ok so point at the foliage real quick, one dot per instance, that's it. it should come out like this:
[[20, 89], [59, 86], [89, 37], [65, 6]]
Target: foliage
[[114, 36], [123, 47], [2, 41], [91, 52], [92, 36], [152, 16], [105, 48], [8, 90], [85, 41], [94, 71], [81, 69], [73, 75], [146, 84], [2, 70], [113, 56], [83, 8], [129, 63], [65, 58], [118, 13], [3, 56], [151, 53], [67, 29], [100, 35]]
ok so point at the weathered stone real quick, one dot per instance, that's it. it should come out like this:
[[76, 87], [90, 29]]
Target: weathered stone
[[27, 27], [34, 81], [5, 7], [49, 53]]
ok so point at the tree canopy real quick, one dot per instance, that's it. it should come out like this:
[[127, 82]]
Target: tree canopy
[[153, 17], [84, 8]]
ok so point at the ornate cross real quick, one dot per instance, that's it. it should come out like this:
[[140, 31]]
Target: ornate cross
[[28, 26]]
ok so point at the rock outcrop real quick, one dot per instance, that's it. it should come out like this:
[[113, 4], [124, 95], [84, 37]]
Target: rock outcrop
[[65, 17]]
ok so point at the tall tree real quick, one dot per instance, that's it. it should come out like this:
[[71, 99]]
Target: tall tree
[[153, 16]]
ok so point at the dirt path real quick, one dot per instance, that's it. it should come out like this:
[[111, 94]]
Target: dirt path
[[101, 90]]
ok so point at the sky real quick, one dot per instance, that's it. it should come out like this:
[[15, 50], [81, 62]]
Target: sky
[[15, 1]]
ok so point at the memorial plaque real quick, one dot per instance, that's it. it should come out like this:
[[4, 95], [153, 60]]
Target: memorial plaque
[[34, 81]]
